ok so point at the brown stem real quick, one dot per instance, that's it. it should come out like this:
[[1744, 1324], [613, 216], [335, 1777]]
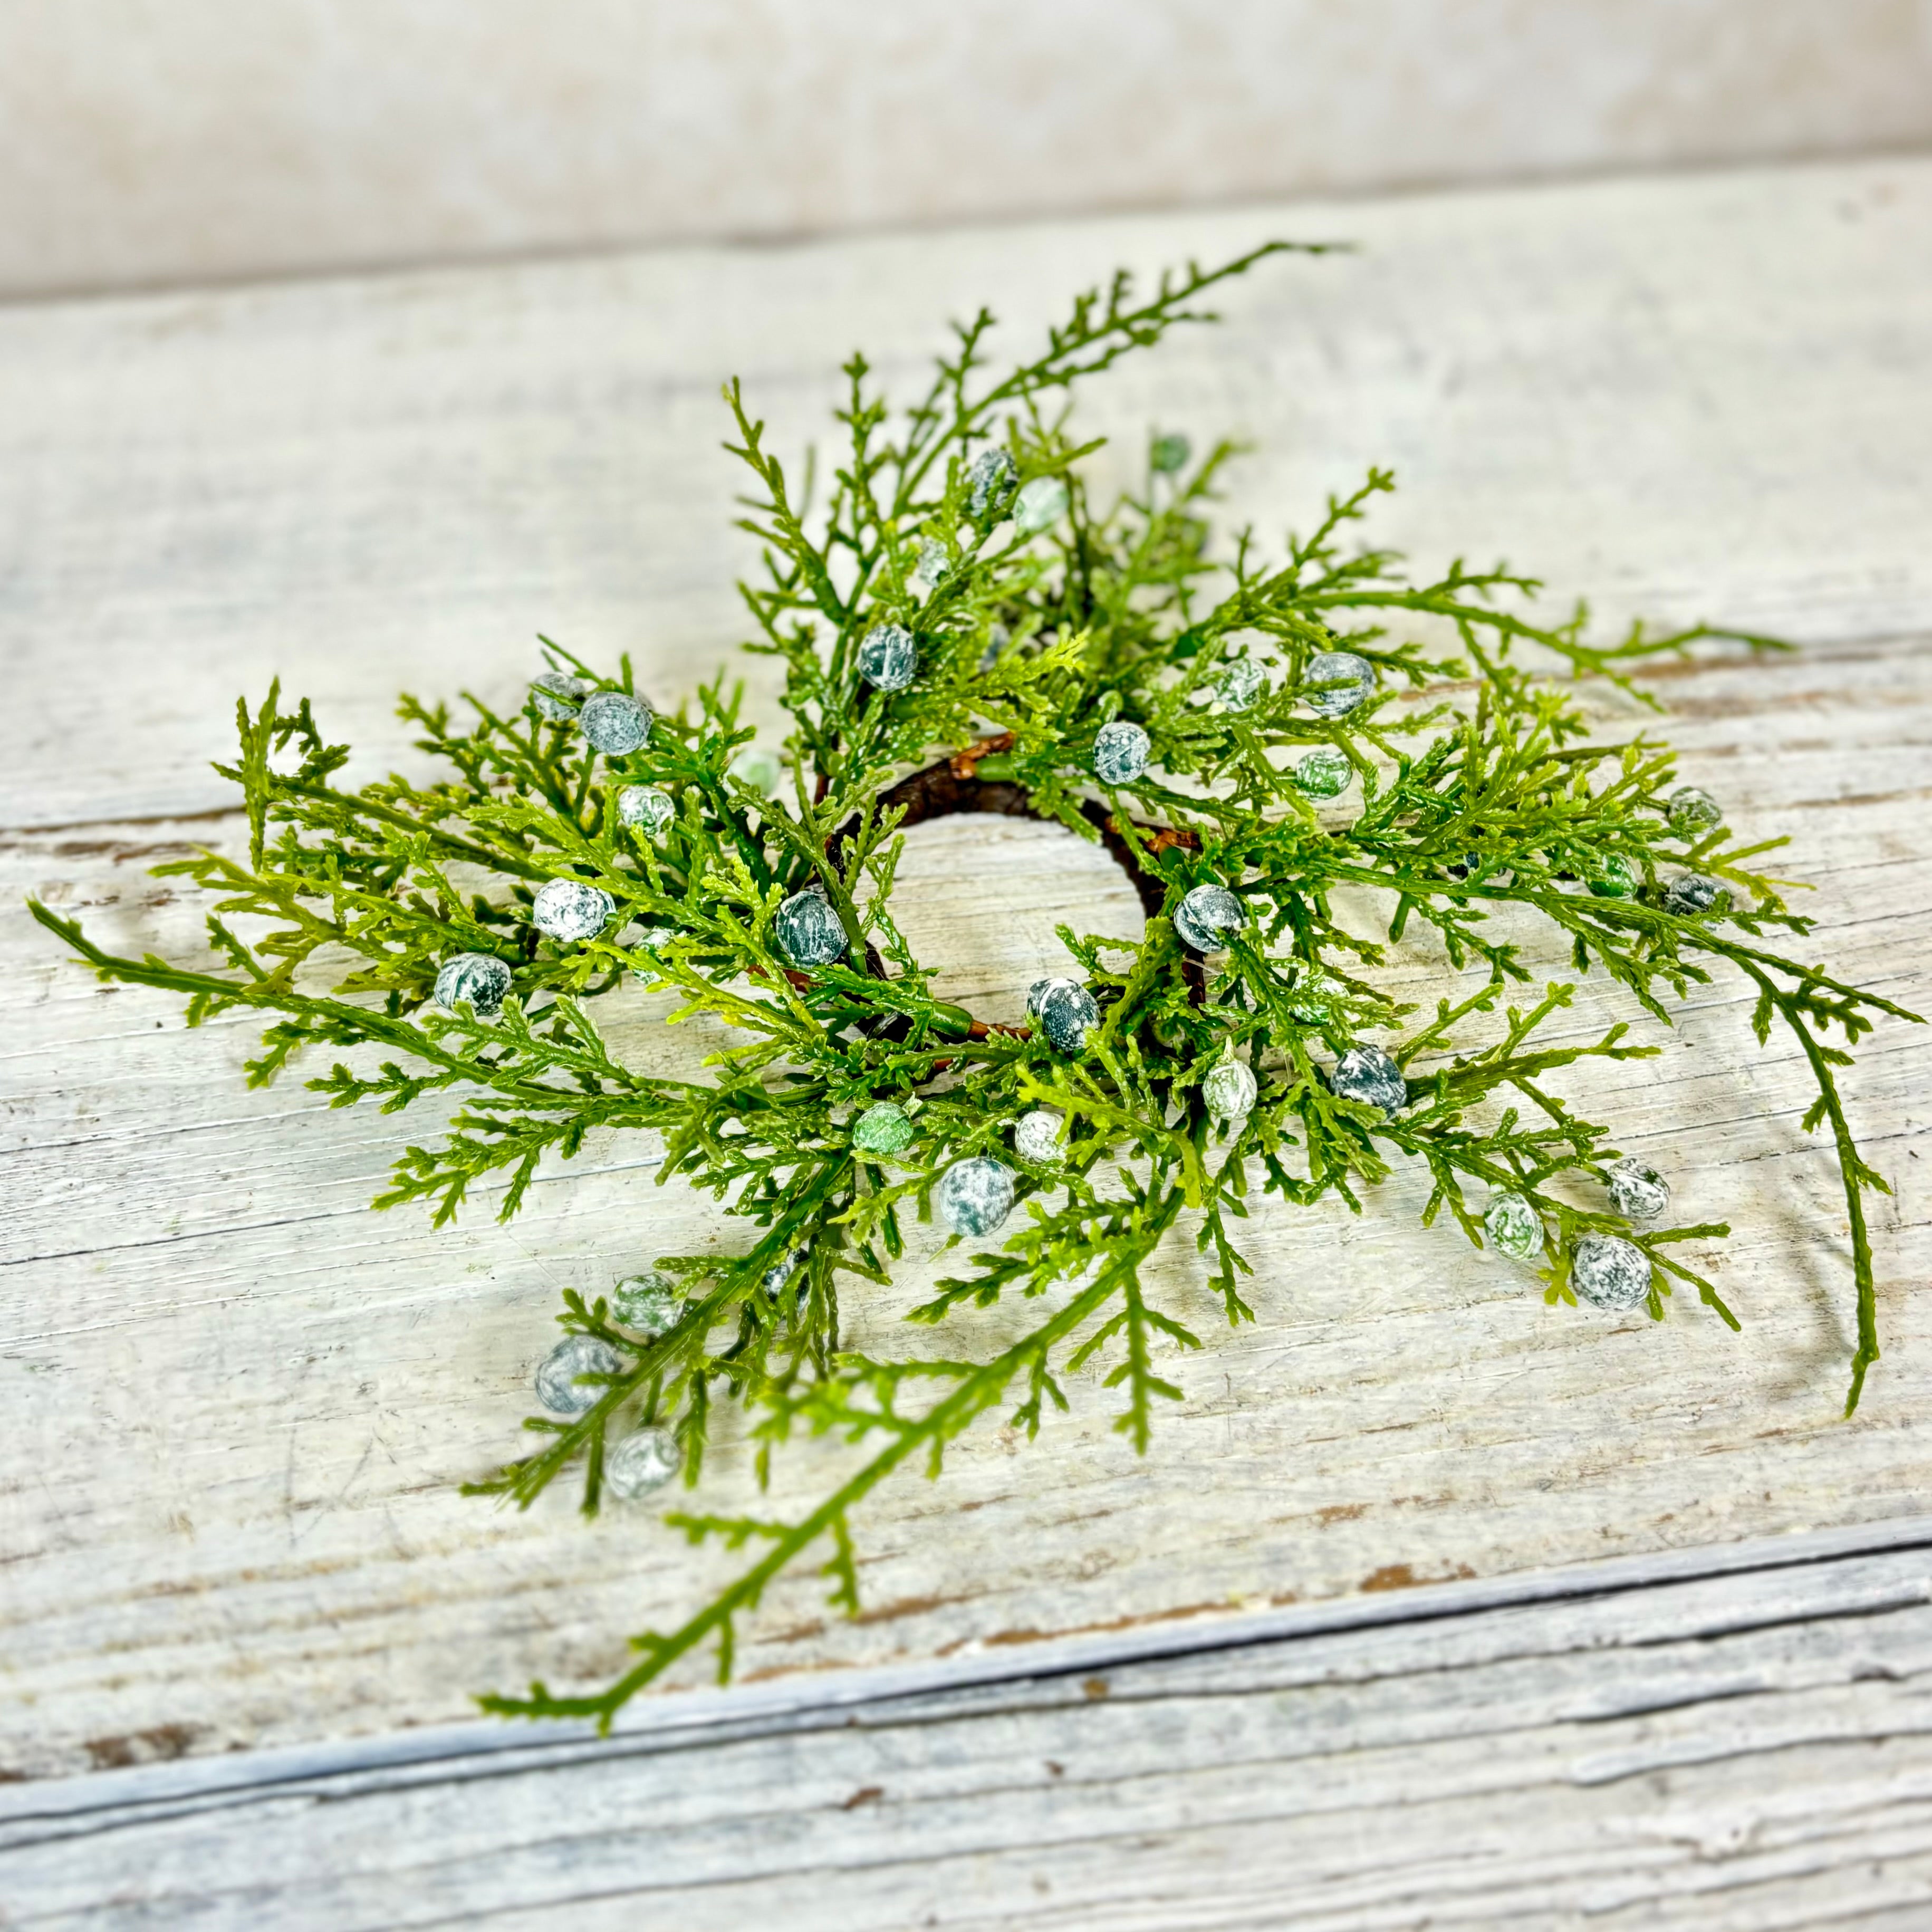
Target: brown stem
[[938, 791]]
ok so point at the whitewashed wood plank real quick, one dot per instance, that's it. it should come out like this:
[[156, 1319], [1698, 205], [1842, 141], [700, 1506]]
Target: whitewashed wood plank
[[249, 1401], [1689, 398], [269, 1421], [1750, 1750], [1755, 1583]]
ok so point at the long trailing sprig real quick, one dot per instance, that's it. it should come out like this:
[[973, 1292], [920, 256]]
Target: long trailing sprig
[[1038, 622]]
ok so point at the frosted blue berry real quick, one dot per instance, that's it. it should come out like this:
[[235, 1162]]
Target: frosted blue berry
[[646, 807], [1691, 895], [556, 1384], [648, 1304], [1337, 682], [1120, 752], [1691, 810], [1367, 1074], [645, 1460], [478, 978], [1229, 1091], [807, 930], [782, 1270], [1039, 505], [888, 659], [1169, 454], [976, 1196], [568, 910], [1513, 1226], [1064, 1010], [884, 1128], [614, 722], [556, 694], [1241, 682], [1207, 917], [1609, 1272], [1637, 1191], [1324, 772], [990, 481], [1611, 876], [934, 564], [1036, 1137]]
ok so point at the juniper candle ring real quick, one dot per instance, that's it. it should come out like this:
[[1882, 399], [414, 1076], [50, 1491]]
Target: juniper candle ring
[[1070, 664]]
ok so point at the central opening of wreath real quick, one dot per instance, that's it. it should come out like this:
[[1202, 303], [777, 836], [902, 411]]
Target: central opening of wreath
[[982, 913]]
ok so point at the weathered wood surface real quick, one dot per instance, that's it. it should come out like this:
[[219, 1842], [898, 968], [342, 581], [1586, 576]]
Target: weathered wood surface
[[239, 1403], [1741, 1751]]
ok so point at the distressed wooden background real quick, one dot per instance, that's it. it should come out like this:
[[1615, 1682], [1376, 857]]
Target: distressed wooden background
[[1342, 1649]]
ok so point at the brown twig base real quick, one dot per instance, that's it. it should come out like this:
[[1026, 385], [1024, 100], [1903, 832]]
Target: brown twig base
[[952, 785]]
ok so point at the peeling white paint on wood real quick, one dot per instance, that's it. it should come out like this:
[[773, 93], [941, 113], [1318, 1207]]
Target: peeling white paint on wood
[[245, 1401]]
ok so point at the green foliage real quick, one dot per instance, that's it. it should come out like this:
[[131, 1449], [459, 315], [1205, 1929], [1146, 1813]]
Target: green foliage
[[1479, 790]]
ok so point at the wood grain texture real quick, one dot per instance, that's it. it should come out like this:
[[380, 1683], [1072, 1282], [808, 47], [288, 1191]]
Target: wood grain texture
[[1746, 1751], [244, 1401]]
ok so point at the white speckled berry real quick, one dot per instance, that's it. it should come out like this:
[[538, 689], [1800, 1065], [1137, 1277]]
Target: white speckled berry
[[1036, 1137], [1241, 682], [1230, 1090], [556, 694], [1309, 1000], [1169, 454], [568, 910], [645, 1460], [1039, 505], [646, 1304], [888, 659], [934, 565], [1367, 1074], [478, 977], [556, 1384], [884, 1128], [1064, 1010], [1692, 810], [1338, 682], [648, 939], [1207, 917], [782, 1270], [976, 1196], [807, 930], [989, 481], [1609, 1272], [1637, 1191], [1121, 752], [1514, 1228], [646, 807], [614, 722], [1324, 772], [1691, 895]]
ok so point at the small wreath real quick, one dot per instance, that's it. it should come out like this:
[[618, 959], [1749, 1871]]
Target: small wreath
[[960, 593]]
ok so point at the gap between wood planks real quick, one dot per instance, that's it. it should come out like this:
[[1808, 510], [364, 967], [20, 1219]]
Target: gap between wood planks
[[30, 1807]]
